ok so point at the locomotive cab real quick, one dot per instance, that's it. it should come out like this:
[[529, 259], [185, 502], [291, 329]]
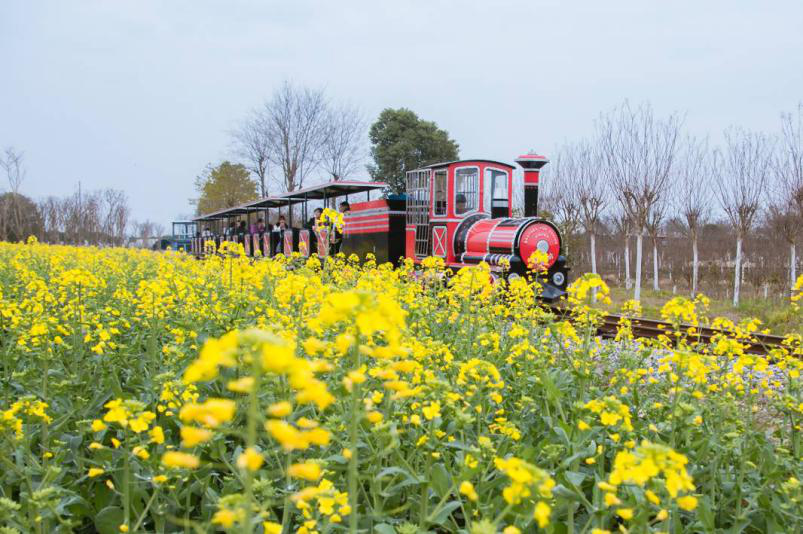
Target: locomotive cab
[[461, 211]]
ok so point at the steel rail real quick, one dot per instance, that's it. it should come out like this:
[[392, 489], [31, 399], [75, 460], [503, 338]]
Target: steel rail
[[756, 343]]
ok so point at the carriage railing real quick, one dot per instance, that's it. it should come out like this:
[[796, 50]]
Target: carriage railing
[[418, 184]]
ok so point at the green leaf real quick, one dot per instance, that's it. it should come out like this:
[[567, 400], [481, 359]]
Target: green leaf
[[384, 528], [705, 514], [445, 511], [109, 519], [562, 491], [441, 480], [575, 477]]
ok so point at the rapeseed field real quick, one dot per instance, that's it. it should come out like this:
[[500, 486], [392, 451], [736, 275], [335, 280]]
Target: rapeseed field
[[153, 392]]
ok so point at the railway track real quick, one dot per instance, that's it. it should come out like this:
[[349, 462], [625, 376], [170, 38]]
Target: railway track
[[759, 344]]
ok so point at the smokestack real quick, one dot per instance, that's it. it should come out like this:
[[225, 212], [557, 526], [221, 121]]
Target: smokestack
[[531, 163]]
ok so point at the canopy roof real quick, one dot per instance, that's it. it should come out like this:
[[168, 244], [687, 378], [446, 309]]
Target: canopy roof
[[334, 189], [226, 213], [315, 192]]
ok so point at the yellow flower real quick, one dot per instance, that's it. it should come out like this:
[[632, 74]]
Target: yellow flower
[[225, 518], [541, 514], [141, 452], [625, 513], [374, 417], [272, 528], [661, 515], [95, 472], [211, 413], [123, 528], [467, 489], [280, 409], [192, 436], [582, 425], [241, 385], [250, 459], [98, 425], [160, 479], [306, 470], [287, 435], [432, 410], [180, 460], [611, 499], [141, 422], [157, 435], [687, 503]]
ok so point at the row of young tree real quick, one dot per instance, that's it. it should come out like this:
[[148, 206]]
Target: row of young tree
[[101, 217], [640, 177]]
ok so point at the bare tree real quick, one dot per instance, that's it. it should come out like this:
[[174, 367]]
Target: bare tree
[[693, 195], [788, 190], [11, 161], [639, 150], [624, 227], [655, 219], [146, 233], [582, 171], [294, 119], [253, 144], [559, 195], [742, 166], [114, 216], [342, 146]]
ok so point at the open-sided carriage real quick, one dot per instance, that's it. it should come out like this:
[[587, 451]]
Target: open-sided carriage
[[298, 236]]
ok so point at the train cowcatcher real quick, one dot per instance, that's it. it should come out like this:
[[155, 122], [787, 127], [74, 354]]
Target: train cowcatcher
[[460, 211]]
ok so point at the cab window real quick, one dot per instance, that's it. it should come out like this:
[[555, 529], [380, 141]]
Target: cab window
[[440, 193], [466, 190], [495, 189]]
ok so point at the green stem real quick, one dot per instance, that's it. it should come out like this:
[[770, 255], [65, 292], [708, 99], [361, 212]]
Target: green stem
[[354, 460]]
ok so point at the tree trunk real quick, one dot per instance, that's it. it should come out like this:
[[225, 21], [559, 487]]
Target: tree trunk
[[639, 247], [792, 264], [627, 261], [694, 266], [593, 253], [655, 265], [737, 274]]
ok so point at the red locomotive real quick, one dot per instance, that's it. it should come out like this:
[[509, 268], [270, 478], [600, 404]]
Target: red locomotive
[[460, 211]]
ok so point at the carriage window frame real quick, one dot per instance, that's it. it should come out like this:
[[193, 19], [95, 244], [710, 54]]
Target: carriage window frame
[[486, 187], [444, 208], [477, 191]]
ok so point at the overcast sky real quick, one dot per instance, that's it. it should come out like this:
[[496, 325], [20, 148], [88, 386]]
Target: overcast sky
[[140, 94]]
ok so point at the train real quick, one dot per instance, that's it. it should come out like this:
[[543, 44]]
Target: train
[[460, 211]]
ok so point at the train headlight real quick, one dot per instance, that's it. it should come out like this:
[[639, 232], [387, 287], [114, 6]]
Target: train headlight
[[513, 276], [558, 279], [543, 246]]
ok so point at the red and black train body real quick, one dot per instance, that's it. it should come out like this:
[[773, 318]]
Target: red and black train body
[[460, 211]]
